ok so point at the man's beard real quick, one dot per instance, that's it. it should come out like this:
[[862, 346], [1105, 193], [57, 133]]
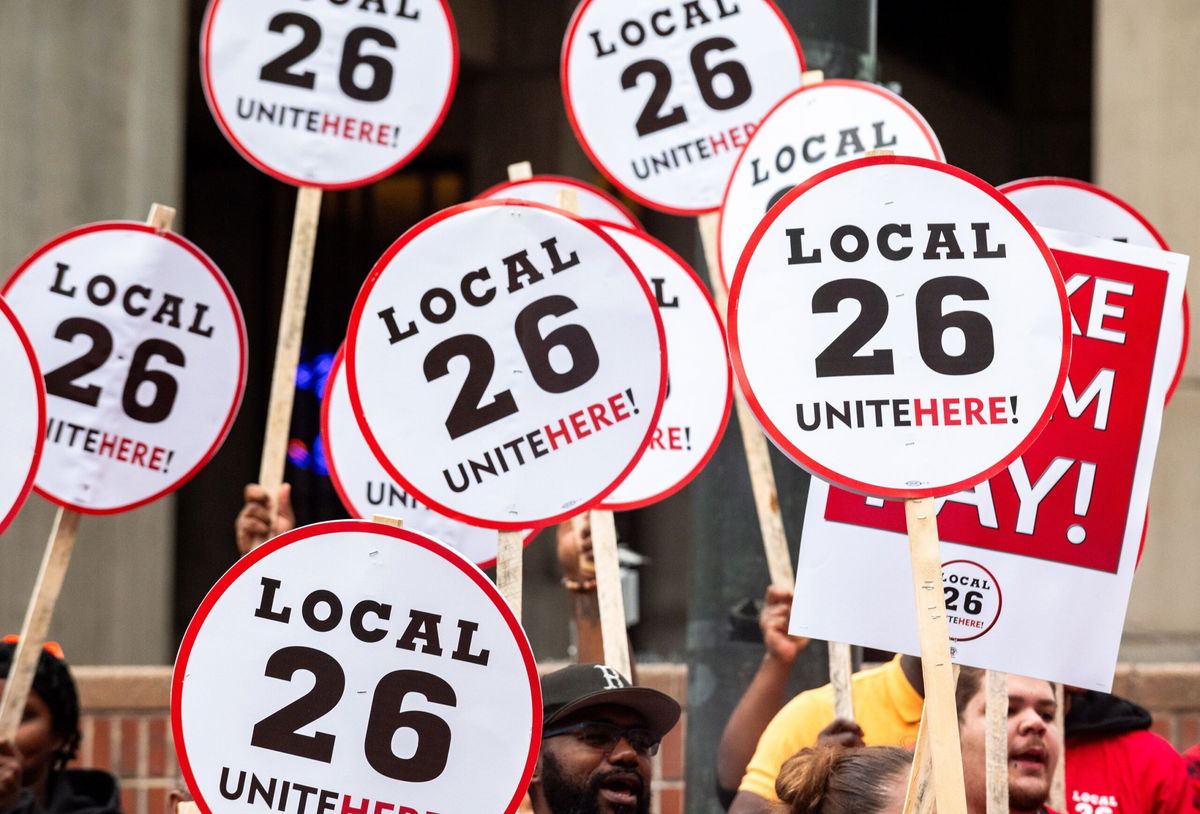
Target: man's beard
[[565, 797]]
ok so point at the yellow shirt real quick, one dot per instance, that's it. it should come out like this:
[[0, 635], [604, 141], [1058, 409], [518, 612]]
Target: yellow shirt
[[885, 705]]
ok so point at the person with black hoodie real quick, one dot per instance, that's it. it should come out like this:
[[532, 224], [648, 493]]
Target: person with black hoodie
[[1115, 764], [34, 778]]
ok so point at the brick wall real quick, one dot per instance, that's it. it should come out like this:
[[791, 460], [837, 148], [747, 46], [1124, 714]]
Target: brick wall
[[126, 724]]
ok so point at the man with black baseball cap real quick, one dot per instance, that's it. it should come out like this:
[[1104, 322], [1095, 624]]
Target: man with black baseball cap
[[598, 735]]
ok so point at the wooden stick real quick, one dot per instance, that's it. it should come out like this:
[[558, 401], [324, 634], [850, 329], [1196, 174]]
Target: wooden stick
[[840, 669], [997, 742], [388, 520], [510, 551], [520, 171], [919, 797], [37, 620], [1058, 786], [608, 593], [762, 484], [936, 667], [287, 346], [811, 78]]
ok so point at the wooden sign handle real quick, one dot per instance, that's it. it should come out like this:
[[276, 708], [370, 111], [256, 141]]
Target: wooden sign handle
[[997, 742], [608, 593], [38, 614], [510, 552], [941, 717], [287, 346], [919, 797], [762, 485], [520, 171], [1058, 785]]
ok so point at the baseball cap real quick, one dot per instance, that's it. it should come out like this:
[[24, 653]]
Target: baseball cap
[[581, 686]]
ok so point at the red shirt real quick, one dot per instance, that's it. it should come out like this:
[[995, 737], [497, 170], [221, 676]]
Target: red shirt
[[1132, 773], [1192, 756]]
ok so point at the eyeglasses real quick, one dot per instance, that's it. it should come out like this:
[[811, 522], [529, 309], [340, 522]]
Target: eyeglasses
[[604, 737]]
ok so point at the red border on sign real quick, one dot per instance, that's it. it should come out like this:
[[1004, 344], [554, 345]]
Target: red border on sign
[[790, 449], [1057, 181], [565, 79], [999, 595], [338, 527], [855, 84], [234, 307], [563, 180], [227, 131], [704, 459], [39, 385], [343, 493], [356, 319]]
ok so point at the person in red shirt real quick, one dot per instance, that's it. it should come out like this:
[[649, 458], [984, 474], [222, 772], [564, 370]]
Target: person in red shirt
[[1192, 756]]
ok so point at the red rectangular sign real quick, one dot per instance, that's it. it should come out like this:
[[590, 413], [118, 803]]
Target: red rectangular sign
[[1067, 498]]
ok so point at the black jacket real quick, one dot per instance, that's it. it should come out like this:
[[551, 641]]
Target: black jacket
[[75, 791]]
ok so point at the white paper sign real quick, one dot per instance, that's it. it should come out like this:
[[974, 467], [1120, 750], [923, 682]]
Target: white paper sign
[[23, 403], [143, 349], [355, 667], [1038, 560], [328, 93], [899, 328], [813, 128], [696, 409], [366, 489], [594, 203], [506, 363], [1076, 206], [662, 98]]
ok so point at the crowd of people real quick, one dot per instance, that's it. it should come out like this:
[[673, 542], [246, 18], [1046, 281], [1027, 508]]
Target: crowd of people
[[776, 756]]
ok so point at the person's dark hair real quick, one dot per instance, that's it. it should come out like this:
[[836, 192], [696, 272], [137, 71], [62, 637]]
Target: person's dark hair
[[970, 682], [833, 780], [54, 684]]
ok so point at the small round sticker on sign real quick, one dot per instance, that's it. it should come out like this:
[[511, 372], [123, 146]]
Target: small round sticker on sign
[[594, 203], [24, 408], [506, 363], [329, 93], [662, 99], [366, 489], [355, 667], [143, 350], [973, 599], [1077, 206], [700, 392], [899, 327], [810, 130]]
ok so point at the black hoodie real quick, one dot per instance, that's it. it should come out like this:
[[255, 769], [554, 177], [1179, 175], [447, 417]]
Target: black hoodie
[[75, 791], [1093, 714]]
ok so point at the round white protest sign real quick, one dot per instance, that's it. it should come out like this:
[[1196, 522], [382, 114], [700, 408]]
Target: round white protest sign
[[24, 407], [1077, 206], [700, 383], [663, 99], [142, 346], [366, 489], [810, 130], [506, 363], [328, 93], [899, 327], [594, 203], [355, 667]]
